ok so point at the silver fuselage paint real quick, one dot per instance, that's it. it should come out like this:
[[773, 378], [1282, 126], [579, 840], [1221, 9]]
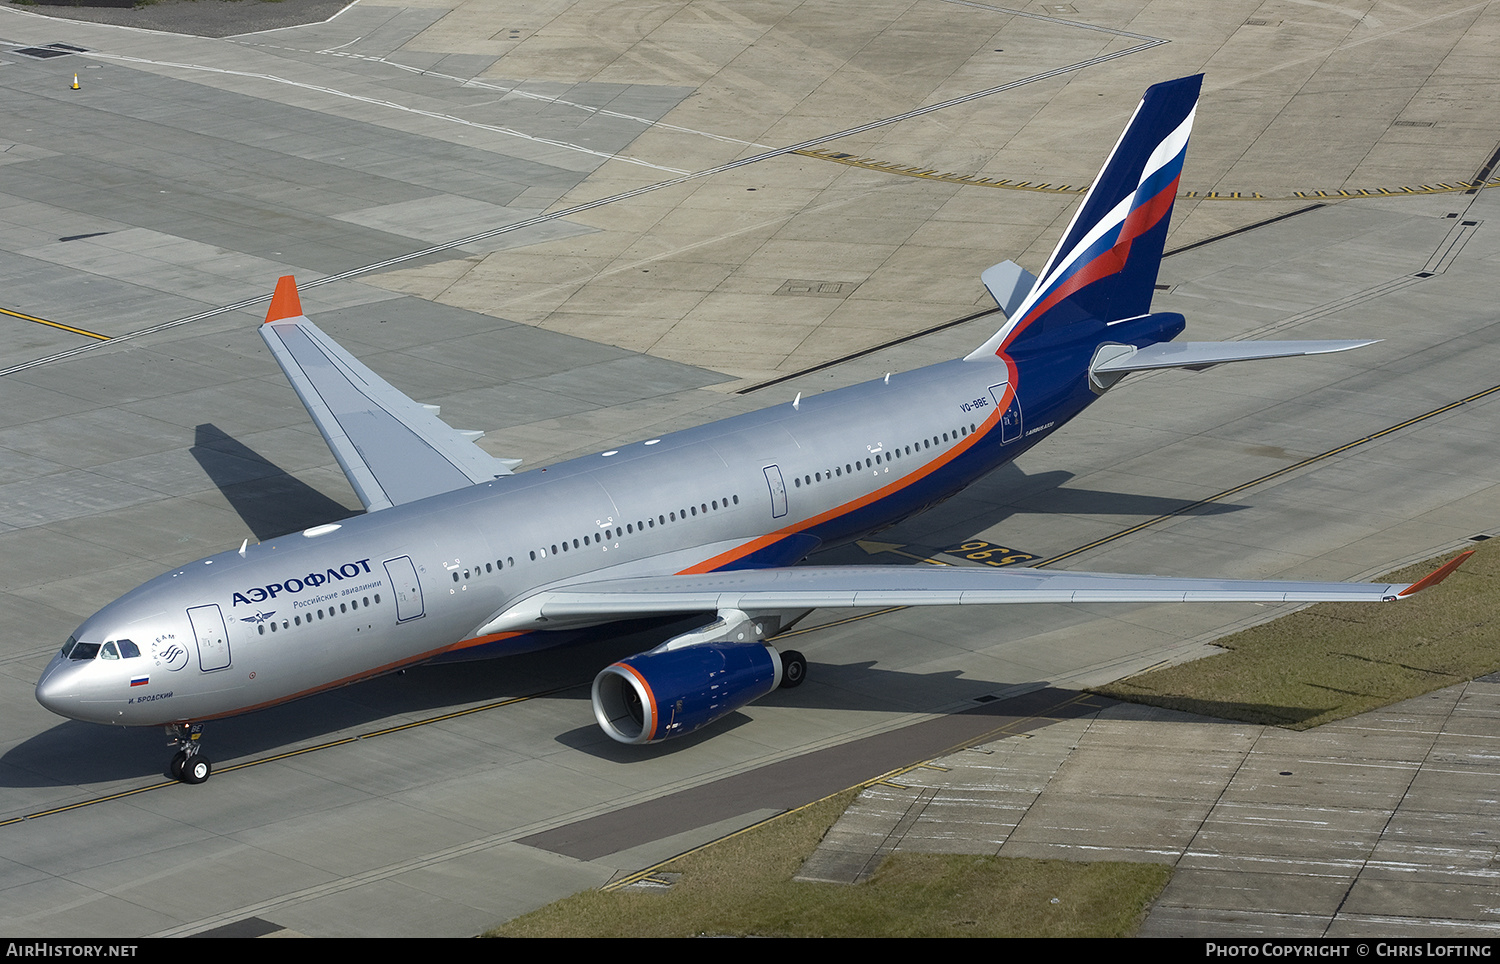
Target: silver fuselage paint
[[638, 510]]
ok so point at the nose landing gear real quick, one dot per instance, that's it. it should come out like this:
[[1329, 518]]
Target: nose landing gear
[[189, 764]]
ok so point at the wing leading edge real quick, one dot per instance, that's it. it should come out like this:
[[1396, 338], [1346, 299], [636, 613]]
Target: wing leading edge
[[808, 587], [393, 449]]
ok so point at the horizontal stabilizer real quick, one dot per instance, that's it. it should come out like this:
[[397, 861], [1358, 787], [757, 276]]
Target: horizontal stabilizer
[[1008, 284], [392, 449], [1113, 362], [808, 587]]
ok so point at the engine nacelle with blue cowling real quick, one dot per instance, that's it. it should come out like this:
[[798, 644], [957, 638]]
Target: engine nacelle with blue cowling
[[670, 692]]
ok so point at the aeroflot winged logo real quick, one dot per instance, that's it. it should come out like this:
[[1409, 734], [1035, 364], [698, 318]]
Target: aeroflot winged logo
[[296, 584]]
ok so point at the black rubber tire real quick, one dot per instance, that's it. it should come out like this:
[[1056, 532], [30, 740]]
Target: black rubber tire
[[197, 770], [793, 669]]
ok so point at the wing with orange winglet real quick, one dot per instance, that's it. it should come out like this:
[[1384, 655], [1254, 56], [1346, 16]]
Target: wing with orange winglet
[[394, 450]]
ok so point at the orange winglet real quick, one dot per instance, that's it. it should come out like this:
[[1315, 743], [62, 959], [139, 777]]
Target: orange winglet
[[1437, 575], [284, 303]]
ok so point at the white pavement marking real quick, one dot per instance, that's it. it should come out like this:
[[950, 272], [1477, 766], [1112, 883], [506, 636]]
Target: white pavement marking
[[390, 104]]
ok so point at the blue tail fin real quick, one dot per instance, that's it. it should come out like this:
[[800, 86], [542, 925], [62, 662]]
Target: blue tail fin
[[1105, 265]]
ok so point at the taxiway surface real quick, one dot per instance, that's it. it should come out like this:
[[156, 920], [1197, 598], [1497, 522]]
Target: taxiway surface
[[397, 149]]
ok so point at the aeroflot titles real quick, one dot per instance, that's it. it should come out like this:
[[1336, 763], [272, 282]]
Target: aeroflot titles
[[349, 570]]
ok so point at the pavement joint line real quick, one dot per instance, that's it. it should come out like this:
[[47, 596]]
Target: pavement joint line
[[1416, 771], [600, 202]]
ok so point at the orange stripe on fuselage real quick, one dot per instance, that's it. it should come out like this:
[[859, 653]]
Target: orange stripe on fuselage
[[755, 545], [479, 641]]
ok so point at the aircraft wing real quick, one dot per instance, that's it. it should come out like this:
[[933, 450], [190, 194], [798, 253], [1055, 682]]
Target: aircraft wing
[[809, 587], [393, 449]]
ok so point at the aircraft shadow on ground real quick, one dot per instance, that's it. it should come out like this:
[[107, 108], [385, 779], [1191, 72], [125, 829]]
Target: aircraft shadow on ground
[[73, 753], [271, 501], [1011, 491]]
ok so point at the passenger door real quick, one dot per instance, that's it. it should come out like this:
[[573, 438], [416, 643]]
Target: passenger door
[[777, 486], [212, 637], [407, 589]]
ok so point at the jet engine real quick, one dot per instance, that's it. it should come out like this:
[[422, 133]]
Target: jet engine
[[658, 695], [689, 682]]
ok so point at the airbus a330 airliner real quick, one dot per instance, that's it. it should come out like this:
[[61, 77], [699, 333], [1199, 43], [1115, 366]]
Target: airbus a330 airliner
[[458, 557]]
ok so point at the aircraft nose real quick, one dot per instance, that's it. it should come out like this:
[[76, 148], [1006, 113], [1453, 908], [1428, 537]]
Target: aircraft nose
[[57, 689]]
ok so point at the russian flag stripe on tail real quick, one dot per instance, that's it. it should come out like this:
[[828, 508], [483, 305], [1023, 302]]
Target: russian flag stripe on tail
[[1106, 264]]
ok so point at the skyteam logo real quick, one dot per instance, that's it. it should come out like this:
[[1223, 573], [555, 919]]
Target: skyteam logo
[[169, 653]]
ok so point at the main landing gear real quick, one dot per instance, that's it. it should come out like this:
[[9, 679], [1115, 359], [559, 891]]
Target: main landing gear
[[189, 764]]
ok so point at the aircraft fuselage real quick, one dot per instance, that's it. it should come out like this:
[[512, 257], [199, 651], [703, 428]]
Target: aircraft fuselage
[[434, 579]]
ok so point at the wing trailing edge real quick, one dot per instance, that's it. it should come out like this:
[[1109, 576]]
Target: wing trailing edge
[[392, 449], [849, 587]]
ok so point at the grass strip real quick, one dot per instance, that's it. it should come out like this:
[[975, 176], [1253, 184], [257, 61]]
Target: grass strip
[[1336, 660], [742, 886]]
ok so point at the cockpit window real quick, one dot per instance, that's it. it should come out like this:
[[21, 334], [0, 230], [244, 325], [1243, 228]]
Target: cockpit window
[[114, 649]]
